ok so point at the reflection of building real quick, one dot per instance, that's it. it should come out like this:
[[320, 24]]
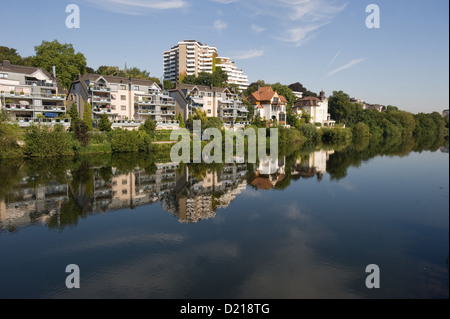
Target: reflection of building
[[270, 172], [315, 164], [29, 203], [197, 198]]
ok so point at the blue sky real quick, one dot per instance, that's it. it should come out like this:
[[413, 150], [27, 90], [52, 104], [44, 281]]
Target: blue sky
[[323, 44]]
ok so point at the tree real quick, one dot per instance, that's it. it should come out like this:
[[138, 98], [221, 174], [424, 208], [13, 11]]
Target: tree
[[253, 87], [149, 127], [213, 122], [104, 124], [87, 116], [168, 85], [74, 117], [250, 108], [11, 55], [82, 133], [340, 107], [180, 119], [217, 79], [68, 63]]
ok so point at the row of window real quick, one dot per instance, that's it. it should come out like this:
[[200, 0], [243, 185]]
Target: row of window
[[3, 75]]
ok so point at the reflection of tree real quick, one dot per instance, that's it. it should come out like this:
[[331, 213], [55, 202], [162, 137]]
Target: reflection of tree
[[11, 173]]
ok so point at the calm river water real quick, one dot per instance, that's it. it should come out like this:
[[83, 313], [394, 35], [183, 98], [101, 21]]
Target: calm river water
[[304, 225]]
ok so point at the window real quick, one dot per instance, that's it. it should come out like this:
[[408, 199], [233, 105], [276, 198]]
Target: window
[[136, 87], [123, 87], [209, 94], [124, 182], [113, 107], [209, 112], [3, 75], [113, 97], [123, 97], [124, 192], [219, 95], [123, 107]]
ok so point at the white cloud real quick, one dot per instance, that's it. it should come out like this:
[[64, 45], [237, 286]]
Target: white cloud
[[136, 7], [257, 29], [300, 35], [346, 66], [225, 1], [250, 54], [334, 59], [220, 25]]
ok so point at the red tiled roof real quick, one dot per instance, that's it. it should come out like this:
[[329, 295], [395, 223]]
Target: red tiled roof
[[263, 94]]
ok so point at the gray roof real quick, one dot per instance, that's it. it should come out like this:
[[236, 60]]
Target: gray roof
[[22, 69]]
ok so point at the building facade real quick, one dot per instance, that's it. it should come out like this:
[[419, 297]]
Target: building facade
[[126, 101], [317, 108], [29, 95], [235, 75], [269, 104], [214, 101], [188, 58]]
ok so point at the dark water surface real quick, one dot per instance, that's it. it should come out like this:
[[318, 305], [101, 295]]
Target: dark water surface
[[303, 226]]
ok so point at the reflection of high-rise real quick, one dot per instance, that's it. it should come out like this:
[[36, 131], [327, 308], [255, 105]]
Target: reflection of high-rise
[[197, 196]]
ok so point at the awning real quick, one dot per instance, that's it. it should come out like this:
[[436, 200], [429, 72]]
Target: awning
[[24, 103], [166, 97], [226, 101], [51, 115], [198, 101]]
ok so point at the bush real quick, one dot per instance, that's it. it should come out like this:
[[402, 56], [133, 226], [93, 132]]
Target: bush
[[361, 130], [309, 131], [10, 134], [123, 141], [47, 141], [336, 135]]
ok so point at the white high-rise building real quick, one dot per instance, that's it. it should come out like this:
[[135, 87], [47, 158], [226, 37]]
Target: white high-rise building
[[188, 58], [235, 75]]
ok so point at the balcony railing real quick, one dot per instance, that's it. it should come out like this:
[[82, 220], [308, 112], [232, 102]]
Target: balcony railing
[[100, 89], [41, 83], [26, 121], [99, 99], [18, 107]]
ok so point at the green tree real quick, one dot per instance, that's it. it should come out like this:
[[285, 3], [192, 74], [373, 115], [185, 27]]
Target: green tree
[[213, 122], [340, 107], [82, 133], [180, 119], [11, 55], [74, 117], [104, 124], [361, 130], [168, 85], [68, 63], [149, 127], [87, 116]]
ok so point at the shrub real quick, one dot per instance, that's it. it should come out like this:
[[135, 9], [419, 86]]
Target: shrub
[[47, 141], [123, 141], [361, 130], [309, 131]]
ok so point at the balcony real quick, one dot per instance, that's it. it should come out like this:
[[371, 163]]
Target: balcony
[[149, 112], [26, 121], [101, 100], [100, 111], [145, 102], [48, 96], [100, 89], [41, 83]]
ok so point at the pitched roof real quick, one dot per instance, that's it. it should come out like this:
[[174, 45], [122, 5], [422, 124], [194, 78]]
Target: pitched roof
[[264, 94], [116, 79], [7, 67], [310, 100], [205, 88]]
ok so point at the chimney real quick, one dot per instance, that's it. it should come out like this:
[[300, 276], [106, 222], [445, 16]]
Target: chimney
[[54, 71], [78, 77], [6, 64]]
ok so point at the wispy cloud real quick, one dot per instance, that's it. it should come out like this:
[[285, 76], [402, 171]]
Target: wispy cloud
[[137, 7], [257, 29], [249, 54], [220, 25], [225, 1], [345, 67], [297, 20], [334, 59]]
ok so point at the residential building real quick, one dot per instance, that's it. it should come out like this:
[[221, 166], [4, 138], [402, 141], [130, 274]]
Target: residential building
[[445, 113], [269, 104], [367, 106], [128, 102], [214, 101], [235, 75], [317, 108], [30, 94], [188, 58], [298, 89]]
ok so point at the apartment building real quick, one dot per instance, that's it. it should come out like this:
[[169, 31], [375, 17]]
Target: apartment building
[[29, 95], [235, 75], [214, 101], [127, 101], [188, 58]]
